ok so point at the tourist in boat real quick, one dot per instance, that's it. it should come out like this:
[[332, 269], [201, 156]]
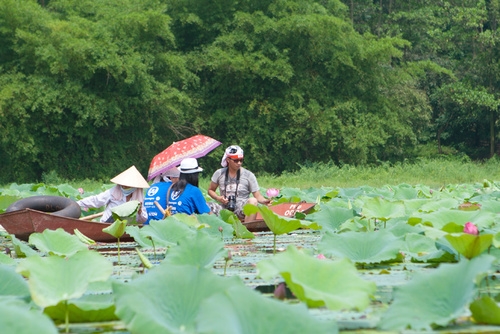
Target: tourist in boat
[[235, 185], [130, 186], [184, 196]]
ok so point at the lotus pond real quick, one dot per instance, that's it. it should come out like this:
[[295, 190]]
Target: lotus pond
[[392, 259]]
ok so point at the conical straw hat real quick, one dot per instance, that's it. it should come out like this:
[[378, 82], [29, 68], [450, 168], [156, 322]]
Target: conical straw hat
[[131, 178]]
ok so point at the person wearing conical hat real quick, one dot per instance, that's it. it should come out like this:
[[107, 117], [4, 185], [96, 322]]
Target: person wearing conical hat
[[130, 186]]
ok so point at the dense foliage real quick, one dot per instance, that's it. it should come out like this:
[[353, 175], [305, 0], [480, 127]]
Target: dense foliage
[[90, 87]]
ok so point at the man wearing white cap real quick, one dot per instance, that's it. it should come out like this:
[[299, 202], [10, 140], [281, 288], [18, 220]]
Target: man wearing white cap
[[236, 184], [129, 187]]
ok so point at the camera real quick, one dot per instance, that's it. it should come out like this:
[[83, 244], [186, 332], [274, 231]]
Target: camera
[[231, 202]]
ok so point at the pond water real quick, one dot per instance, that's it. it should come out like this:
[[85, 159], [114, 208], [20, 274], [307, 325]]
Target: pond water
[[247, 253]]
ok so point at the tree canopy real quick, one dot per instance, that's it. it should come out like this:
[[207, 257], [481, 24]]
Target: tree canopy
[[90, 87]]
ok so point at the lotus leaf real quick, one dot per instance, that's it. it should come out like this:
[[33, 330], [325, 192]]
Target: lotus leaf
[[88, 308], [421, 248], [334, 284], [135, 232], [67, 278], [331, 216], [241, 310], [436, 297], [441, 204], [57, 242], [13, 284], [240, 231], [117, 229], [485, 311], [214, 223], [6, 259], [166, 233], [439, 219], [383, 209], [470, 245], [20, 248], [168, 298], [189, 220], [17, 317], [405, 192], [126, 211], [362, 247], [199, 249]]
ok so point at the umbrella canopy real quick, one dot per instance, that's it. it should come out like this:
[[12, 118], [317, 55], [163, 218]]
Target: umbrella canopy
[[192, 147]]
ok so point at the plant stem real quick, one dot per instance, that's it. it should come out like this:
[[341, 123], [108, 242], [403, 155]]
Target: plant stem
[[274, 246], [66, 316], [118, 251]]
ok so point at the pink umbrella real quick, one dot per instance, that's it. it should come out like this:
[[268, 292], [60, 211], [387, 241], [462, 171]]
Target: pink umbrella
[[192, 147]]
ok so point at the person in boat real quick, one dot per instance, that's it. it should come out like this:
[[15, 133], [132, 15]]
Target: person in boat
[[130, 186], [183, 196], [171, 175], [235, 185]]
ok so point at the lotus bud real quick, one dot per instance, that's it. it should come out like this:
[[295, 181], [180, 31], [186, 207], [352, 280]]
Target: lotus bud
[[321, 257], [272, 192], [80, 190], [220, 229], [470, 228], [280, 291]]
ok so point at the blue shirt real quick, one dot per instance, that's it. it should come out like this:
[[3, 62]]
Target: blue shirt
[[190, 201]]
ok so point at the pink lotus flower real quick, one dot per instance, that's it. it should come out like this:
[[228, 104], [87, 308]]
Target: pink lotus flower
[[470, 228], [272, 192], [321, 257], [80, 190], [280, 291]]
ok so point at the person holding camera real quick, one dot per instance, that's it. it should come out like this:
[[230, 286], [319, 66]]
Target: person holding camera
[[236, 184]]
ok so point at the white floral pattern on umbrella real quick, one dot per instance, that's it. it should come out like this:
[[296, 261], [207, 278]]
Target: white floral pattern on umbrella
[[192, 147]]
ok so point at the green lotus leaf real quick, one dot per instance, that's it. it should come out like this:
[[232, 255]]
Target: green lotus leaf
[[135, 232], [18, 317], [165, 233], [238, 309], [383, 209], [199, 249], [279, 224], [21, 248], [331, 216], [126, 211], [334, 284], [57, 242], [358, 224], [453, 228], [67, 278], [240, 231], [485, 311], [441, 204], [496, 240], [189, 220], [439, 219], [435, 298], [416, 204], [421, 248], [88, 308], [470, 245], [214, 223], [168, 298], [117, 229], [7, 260], [13, 284], [405, 192], [362, 247]]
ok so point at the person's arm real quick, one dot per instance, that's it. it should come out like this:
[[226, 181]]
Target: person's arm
[[261, 199], [95, 201], [212, 193]]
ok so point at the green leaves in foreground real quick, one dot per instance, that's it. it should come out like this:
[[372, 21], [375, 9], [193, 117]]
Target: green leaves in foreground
[[67, 278], [18, 317], [183, 298], [334, 284], [437, 297], [58, 242], [470, 245]]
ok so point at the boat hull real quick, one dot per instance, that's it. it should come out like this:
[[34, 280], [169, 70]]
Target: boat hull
[[282, 209], [23, 223]]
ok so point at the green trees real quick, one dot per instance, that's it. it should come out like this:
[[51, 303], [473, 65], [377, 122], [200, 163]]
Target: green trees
[[88, 88]]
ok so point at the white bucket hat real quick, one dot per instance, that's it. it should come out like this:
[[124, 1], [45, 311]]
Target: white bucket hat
[[131, 178], [189, 166]]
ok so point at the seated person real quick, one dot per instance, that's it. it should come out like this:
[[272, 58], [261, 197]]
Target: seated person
[[130, 186], [234, 180], [184, 196]]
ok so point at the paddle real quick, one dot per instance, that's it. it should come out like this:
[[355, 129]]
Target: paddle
[[95, 215]]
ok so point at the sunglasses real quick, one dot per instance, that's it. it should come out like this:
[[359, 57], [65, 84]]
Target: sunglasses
[[237, 160]]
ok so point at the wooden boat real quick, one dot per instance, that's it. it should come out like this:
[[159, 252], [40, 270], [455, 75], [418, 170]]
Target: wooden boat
[[282, 209], [22, 223]]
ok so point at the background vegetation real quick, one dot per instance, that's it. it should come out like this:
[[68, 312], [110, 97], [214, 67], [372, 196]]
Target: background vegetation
[[90, 87]]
